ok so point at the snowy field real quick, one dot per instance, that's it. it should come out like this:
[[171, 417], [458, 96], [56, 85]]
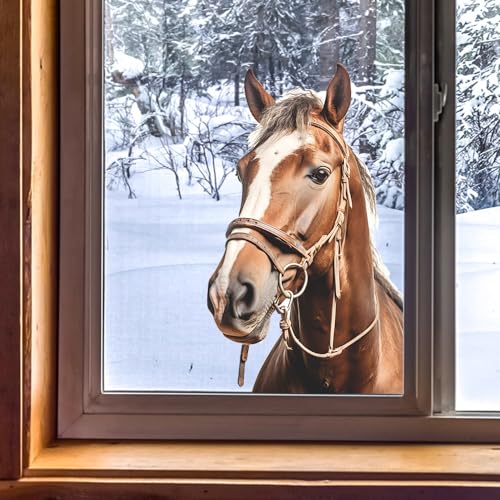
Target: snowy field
[[478, 310], [160, 252]]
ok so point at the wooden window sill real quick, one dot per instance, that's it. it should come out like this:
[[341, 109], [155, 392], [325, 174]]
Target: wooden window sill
[[268, 461]]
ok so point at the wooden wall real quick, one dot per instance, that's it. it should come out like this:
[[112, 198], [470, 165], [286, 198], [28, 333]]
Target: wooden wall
[[28, 222], [10, 243]]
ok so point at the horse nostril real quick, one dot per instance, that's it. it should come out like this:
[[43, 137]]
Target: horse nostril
[[244, 299]]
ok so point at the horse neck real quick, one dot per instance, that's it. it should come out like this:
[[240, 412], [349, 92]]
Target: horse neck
[[354, 370]]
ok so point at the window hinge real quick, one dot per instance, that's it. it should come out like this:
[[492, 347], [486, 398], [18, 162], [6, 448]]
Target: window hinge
[[439, 100]]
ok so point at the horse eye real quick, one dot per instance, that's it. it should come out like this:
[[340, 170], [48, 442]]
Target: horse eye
[[320, 175]]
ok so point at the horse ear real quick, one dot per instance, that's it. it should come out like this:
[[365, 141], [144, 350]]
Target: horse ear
[[257, 97], [338, 97]]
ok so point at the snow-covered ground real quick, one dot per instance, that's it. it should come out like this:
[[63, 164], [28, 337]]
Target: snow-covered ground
[[160, 252], [478, 310]]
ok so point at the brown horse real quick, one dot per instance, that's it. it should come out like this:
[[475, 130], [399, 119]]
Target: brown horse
[[302, 246]]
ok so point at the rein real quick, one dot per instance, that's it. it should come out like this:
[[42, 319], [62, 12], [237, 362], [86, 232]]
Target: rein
[[278, 237]]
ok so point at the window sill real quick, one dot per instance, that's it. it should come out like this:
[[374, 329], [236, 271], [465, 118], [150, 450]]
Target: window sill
[[269, 461]]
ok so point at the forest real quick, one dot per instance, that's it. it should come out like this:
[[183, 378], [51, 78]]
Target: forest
[[174, 71]]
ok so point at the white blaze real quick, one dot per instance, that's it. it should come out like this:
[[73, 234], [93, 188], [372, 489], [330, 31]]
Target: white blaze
[[270, 155]]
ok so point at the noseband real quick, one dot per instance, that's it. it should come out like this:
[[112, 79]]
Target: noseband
[[284, 240]]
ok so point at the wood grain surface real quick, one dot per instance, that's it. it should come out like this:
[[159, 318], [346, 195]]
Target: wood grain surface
[[239, 460], [112, 489], [10, 239]]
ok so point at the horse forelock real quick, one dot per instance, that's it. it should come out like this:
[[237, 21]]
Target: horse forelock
[[290, 113]]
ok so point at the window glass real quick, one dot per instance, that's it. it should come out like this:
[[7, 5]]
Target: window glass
[[177, 122], [478, 205]]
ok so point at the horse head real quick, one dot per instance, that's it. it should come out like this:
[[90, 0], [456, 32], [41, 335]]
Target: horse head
[[291, 180]]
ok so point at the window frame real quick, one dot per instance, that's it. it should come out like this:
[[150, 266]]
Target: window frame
[[84, 411], [445, 257]]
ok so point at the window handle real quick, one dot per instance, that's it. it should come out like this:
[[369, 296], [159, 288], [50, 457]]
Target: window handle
[[440, 95]]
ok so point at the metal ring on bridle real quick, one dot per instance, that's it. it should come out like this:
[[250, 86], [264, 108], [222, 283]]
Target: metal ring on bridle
[[285, 292]]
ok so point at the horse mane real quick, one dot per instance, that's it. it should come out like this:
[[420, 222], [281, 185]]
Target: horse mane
[[293, 112], [380, 271]]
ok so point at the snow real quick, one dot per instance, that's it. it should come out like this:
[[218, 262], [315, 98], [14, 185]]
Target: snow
[[394, 149], [160, 252], [128, 66], [478, 310], [394, 80], [159, 334]]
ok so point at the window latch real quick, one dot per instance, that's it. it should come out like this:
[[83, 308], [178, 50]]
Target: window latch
[[440, 95]]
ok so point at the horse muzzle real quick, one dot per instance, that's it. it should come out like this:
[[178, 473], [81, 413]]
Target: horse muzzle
[[242, 308]]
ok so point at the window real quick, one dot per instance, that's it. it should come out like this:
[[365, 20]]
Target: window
[[477, 200], [176, 124], [109, 384]]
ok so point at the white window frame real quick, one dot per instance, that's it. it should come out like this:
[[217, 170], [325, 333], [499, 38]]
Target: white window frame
[[85, 411]]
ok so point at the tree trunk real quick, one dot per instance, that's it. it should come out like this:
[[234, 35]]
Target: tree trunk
[[367, 41], [256, 54], [165, 46], [237, 86], [108, 27], [280, 77], [329, 48], [177, 184], [272, 76], [365, 53], [182, 101]]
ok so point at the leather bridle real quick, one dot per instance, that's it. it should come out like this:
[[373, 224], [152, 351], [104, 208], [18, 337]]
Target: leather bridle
[[280, 238]]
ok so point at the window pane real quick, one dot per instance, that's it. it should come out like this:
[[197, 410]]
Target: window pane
[[176, 123], [478, 205]]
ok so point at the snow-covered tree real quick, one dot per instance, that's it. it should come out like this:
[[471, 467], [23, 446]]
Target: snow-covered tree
[[478, 104], [161, 53], [376, 118], [159, 34]]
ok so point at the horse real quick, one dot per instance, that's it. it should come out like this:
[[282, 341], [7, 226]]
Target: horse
[[302, 246]]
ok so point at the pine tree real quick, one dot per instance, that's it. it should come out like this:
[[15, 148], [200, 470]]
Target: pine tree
[[478, 105]]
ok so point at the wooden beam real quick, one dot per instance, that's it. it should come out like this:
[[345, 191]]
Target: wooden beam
[[28, 219], [26, 207], [10, 239], [41, 237], [112, 489]]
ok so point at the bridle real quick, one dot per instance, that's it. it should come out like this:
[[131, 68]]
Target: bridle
[[337, 235]]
